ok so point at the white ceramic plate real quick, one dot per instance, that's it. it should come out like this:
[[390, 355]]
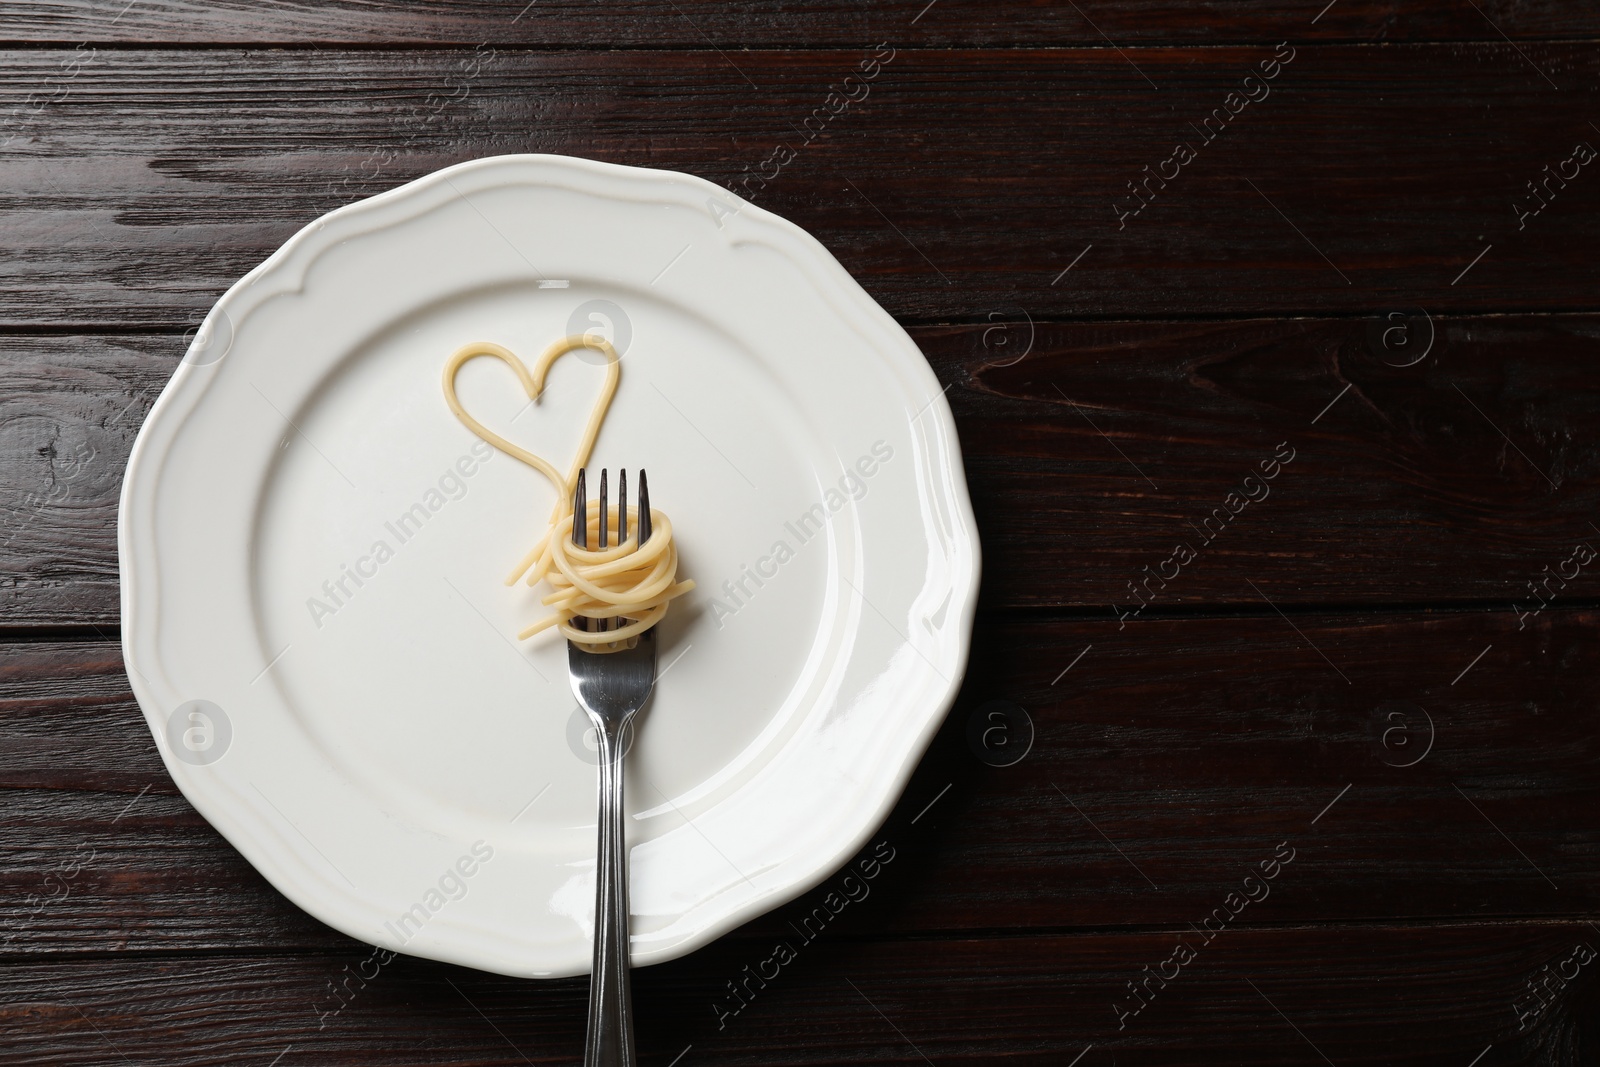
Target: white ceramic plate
[[312, 553]]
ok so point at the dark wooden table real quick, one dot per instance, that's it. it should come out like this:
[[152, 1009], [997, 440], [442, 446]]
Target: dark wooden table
[[1332, 731]]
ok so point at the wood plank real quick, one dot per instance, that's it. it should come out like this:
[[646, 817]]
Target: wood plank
[[1116, 447], [772, 24], [140, 184], [1367, 995], [1172, 759], [1458, 479], [69, 412]]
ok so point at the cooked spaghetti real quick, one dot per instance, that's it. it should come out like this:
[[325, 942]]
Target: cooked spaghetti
[[628, 583]]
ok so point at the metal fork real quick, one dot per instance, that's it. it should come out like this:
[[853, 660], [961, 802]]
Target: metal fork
[[611, 687]]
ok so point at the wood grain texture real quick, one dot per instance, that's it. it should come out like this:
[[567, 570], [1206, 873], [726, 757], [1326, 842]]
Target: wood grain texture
[[1113, 447], [1093, 450], [1354, 667], [774, 23], [140, 184], [1368, 995], [1170, 761], [69, 411]]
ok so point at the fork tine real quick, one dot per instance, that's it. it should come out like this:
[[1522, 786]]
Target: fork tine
[[622, 505], [580, 513], [602, 625], [644, 508]]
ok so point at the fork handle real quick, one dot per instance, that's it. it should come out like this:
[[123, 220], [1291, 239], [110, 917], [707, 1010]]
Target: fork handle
[[610, 1036]]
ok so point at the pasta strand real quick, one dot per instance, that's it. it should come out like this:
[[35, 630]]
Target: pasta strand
[[627, 582]]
